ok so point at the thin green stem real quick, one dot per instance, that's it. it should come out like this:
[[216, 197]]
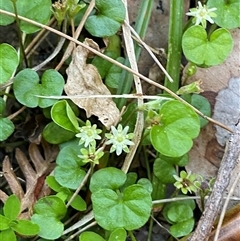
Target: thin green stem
[[142, 21], [150, 229], [174, 44], [132, 236], [19, 34]]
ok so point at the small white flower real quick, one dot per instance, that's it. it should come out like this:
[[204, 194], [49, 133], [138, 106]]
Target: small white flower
[[88, 134], [202, 14], [119, 139]]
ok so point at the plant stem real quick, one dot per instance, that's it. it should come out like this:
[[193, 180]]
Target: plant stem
[[142, 21], [19, 33], [174, 44], [131, 236]]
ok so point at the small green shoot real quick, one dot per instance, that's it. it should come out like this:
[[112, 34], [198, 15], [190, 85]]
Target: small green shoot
[[10, 223]]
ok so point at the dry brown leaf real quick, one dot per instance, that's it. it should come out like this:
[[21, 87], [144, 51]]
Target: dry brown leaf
[[84, 79], [34, 177]]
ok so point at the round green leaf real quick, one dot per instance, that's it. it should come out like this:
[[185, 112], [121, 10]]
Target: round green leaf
[[202, 104], [26, 86], [51, 206], [108, 21], [4, 222], [12, 207], [7, 128], [8, 61], [63, 115], [90, 236], [227, 13], [8, 234], [118, 234], [179, 212], [50, 227], [55, 134], [129, 210], [68, 172], [37, 10], [182, 228], [179, 125], [25, 227], [203, 51], [164, 171], [145, 183], [6, 5], [107, 178]]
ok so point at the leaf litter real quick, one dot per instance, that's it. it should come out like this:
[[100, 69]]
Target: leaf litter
[[84, 79], [34, 172]]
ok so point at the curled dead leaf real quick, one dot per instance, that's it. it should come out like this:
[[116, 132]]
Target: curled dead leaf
[[84, 79]]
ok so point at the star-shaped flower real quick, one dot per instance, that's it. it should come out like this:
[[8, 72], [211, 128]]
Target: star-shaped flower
[[202, 14], [88, 134], [119, 139], [186, 182]]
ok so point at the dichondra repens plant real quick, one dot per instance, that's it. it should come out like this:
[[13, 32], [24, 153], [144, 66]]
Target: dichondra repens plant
[[94, 137]]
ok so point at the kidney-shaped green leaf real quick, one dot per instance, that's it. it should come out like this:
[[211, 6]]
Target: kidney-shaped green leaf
[[26, 87], [203, 51], [108, 20], [50, 206], [7, 128], [50, 227], [182, 228], [6, 5], [37, 10], [130, 209], [164, 171], [179, 125], [179, 212], [8, 62], [68, 171], [107, 178], [227, 13]]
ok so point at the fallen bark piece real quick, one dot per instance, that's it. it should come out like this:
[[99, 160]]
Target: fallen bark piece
[[84, 79]]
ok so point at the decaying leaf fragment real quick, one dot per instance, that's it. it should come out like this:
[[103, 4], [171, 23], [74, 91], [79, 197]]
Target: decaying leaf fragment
[[84, 79]]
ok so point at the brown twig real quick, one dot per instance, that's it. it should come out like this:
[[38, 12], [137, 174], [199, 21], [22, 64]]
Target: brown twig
[[213, 204]]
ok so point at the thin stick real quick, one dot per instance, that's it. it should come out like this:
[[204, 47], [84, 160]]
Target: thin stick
[[139, 126], [224, 209]]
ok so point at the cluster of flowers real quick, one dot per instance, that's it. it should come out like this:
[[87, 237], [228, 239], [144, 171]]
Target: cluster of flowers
[[119, 138]]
